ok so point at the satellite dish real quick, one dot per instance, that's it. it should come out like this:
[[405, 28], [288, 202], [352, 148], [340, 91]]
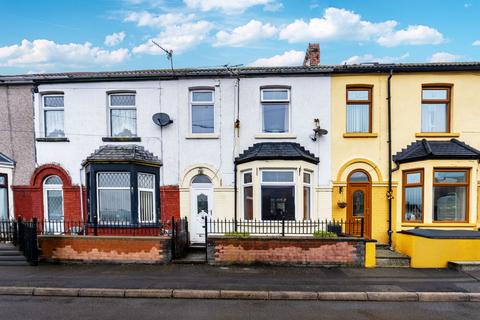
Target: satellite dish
[[161, 119]]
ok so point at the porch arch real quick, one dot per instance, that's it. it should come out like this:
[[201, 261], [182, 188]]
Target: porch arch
[[359, 164]]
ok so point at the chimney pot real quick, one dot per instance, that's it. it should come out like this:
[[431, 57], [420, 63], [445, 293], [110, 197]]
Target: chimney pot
[[312, 55]]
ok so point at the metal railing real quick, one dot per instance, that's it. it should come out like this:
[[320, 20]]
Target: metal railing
[[23, 235], [353, 228]]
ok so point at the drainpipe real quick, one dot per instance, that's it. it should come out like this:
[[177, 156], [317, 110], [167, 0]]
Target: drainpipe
[[390, 192], [235, 192]]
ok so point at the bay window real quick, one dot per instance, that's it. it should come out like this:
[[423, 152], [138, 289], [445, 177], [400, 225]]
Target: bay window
[[202, 111], [359, 109], [436, 109], [114, 198], [278, 194], [3, 197], [53, 116], [307, 195], [123, 115], [450, 194], [413, 195], [146, 197], [247, 196], [275, 110]]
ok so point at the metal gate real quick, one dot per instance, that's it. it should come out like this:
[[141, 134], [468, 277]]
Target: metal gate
[[8, 230], [23, 235], [180, 238]]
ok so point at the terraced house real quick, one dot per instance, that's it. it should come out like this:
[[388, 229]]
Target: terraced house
[[385, 152]]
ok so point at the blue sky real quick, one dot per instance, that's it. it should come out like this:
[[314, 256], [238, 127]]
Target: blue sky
[[70, 35]]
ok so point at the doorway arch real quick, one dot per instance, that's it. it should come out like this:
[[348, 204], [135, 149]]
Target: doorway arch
[[359, 203]]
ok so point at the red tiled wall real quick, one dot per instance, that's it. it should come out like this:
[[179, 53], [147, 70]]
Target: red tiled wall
[[170, 202]]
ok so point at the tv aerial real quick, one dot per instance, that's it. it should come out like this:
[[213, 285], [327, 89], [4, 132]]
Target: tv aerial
[[169, 53]]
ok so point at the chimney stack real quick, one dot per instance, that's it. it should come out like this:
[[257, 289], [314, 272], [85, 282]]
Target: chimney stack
[[312, 56]]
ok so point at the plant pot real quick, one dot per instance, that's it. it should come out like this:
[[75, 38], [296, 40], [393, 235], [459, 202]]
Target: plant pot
[[341, 204]]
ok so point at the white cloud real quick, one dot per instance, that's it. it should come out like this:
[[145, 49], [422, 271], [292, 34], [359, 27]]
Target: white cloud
[[114, 38], [46, 54], [288, 58], [250, 32], [146, 19], [343, 25], [412, 35], [444, 57], [232, 6], [335, 24], [370, 58], [476, 43], [177, 38]]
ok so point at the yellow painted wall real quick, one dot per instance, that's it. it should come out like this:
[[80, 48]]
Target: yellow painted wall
[[369, 152], [435, 253]]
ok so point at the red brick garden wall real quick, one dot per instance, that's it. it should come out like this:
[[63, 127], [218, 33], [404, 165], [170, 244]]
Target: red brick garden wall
[[105, 249], [286, 251]]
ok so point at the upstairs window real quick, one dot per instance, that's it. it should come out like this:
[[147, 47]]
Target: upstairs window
[[123, 115], [413, 196], [436, 109], [450, 194], [359, 110], [53, 109], [275, 110], [202, 111]]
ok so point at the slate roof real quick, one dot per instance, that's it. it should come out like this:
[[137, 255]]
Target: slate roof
[[122, 153], [4, 160], [166, 74], [276, 151], [424, 150]]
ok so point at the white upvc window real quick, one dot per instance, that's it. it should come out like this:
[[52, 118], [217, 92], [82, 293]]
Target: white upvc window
[[307, 195], [202, 111], [53, 115], [275, 110], [114, 196], [122, 114], [278, 194], [146, 197], [247, 195]]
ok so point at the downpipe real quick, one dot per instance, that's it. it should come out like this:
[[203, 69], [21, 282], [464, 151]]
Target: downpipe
[[390, 171]]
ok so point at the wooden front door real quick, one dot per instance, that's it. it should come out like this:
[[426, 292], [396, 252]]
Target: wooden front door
[[358, 207]]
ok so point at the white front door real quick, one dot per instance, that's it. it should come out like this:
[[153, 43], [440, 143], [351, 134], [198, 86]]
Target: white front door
[[201, 209]]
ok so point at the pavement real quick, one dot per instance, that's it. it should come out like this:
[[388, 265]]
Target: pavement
[[235, 282]]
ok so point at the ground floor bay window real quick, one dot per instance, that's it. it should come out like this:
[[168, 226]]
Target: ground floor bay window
[[123, 191], [450, 194], [278, 194]]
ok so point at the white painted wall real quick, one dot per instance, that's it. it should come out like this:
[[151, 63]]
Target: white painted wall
[[86, 122]]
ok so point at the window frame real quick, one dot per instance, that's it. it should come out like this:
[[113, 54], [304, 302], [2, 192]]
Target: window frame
[[465, 184], [447, 102], [110, 108], [406, 185], [360, 87], [201, 103], [152, 191], [279, 184], [247, 185], [97, 187], [46, 109], [308, 185], [5, 186], [287, 101]]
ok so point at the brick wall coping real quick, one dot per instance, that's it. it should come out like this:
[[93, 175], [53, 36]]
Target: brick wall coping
[[80, 237], [289, 238]]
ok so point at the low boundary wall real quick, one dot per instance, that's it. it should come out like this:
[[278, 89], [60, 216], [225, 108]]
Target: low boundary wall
[[105, 249]]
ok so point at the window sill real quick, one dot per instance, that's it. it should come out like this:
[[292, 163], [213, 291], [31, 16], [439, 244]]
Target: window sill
[[203, 136], [275, 136], [52, 139], [437, 135], [121, 139], [360, 135], [439, 224]]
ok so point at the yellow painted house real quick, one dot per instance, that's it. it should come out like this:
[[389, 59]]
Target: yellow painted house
[[405, 157]]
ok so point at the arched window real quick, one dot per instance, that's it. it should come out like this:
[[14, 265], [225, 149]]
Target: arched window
[[201, 179], [53, 198], [358, 176]]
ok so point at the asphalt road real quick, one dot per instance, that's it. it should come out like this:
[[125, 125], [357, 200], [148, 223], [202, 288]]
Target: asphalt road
[[39, 308]]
